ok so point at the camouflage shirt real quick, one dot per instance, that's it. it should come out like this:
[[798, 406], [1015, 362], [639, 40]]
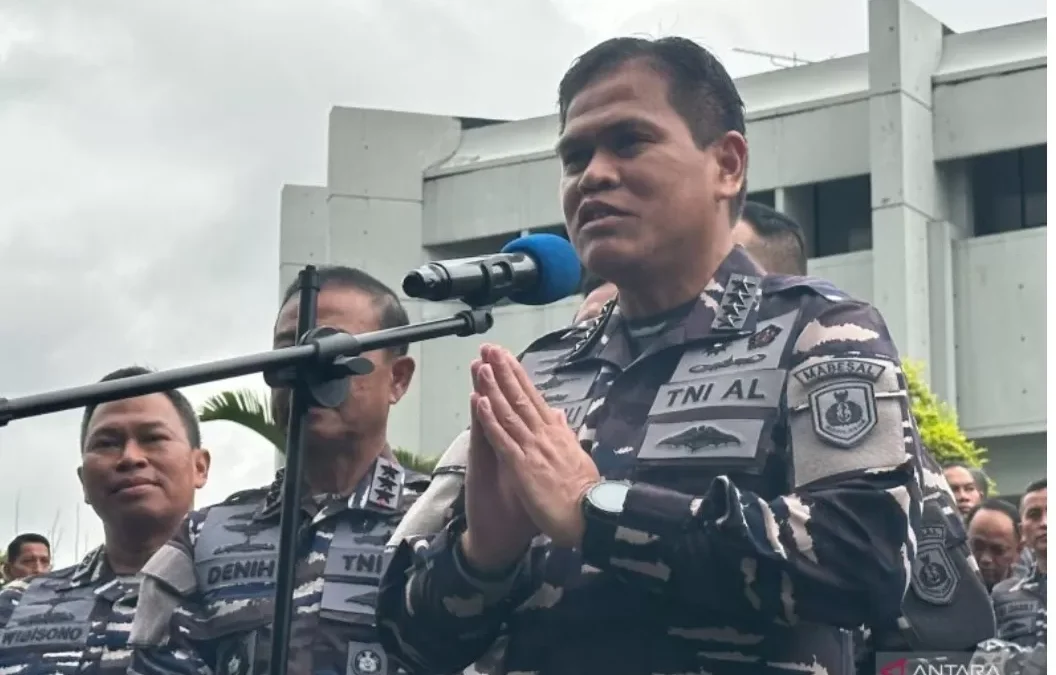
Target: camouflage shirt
[[1020, 606], [73, 620], [208, 595], [774, 464]]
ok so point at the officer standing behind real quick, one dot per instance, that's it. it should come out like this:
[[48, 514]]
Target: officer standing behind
[[749, 479], [141, 461], [210, 591], [1020, 603]]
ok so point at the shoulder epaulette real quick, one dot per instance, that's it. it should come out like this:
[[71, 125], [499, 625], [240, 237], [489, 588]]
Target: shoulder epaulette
[[780, 283]]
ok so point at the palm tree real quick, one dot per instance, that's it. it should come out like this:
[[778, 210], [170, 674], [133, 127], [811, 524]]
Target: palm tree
[[253, 411]]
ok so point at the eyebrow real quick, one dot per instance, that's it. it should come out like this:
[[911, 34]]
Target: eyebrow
[[624, 125]]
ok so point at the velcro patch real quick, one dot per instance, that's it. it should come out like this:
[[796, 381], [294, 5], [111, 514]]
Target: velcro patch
[[837, 405], [843, 413]]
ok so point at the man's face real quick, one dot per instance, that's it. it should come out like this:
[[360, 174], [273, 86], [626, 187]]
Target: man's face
[[636, 191], [365, 411], [965, 491], [138, 467], [33, 558], [1033, 511], [992, 537]]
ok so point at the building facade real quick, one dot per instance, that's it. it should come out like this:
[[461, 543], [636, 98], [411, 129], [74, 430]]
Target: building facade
[[917, 171]]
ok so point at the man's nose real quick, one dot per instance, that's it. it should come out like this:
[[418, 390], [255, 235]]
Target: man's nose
[[132, 454], [39, 567], [600, 174]]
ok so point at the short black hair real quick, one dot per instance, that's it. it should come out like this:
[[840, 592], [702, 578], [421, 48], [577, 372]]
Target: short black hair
[[1035, 486], [183, 407], [999, 505], [14, 549], [391, 313], [699, 88], [979, 477], [591, 283], [785, 247]]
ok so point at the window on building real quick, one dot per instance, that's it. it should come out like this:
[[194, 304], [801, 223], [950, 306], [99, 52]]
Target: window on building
[[1008, 190], [765, 197], [843, 216]]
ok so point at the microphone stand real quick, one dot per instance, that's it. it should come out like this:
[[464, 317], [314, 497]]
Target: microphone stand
[[315, 370]]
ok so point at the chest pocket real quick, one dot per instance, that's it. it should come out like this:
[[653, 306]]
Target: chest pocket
[[47, 620], [718, 412], [236, 564], [1018, 619], [568, 389]]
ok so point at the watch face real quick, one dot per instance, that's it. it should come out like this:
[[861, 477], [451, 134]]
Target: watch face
[[609, 497]]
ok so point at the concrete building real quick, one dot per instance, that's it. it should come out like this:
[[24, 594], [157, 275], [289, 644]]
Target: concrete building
[[917, 170]]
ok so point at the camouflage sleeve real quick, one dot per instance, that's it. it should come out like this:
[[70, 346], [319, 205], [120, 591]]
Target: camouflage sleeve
[[1008, 658], [835, 551], [435, 507], [435, 615], [160, 637], [10, 596]]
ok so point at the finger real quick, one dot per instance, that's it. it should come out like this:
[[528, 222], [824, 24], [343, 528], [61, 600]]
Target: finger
[[474, 374], [506, 448], [525, 381], [503, 412], [519, 396]]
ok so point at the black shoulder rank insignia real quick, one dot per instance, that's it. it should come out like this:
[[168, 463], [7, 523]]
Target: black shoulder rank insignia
[[843, 413], [764, 338], [386, 485], [738, 301], [700, 437], [935, 576]]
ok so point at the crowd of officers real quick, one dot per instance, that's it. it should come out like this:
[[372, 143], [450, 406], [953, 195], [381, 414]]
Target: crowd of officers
[[715, 469]]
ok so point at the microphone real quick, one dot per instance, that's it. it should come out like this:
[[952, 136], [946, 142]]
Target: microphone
[[534, 270]]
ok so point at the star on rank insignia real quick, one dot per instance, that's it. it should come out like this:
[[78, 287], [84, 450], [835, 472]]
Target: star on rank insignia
[[386, 485], [738, 301], [764, 338]]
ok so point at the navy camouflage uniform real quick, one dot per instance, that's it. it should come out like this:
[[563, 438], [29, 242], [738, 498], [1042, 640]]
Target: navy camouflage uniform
[[1020, 606], [73, 620], [773, 459], [210, 591]]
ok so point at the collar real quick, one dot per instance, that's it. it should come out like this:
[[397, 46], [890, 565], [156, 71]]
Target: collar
[[93, 570], [380, 490], [726, 308]]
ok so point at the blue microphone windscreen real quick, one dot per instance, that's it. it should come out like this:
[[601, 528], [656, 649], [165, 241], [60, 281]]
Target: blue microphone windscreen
[[558, 264]]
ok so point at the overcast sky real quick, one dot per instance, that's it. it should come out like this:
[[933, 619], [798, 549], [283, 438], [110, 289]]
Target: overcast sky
[[143, 146]]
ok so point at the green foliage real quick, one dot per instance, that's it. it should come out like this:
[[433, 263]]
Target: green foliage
[[246, 408], [937, 423], [253, 411], [414, 462]]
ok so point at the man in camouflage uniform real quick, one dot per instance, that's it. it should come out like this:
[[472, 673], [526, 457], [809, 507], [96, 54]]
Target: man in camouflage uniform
[[749, 486], [210, 591], [141, 461], [1020, 603]]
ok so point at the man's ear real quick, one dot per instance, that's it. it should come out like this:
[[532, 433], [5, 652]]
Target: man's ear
[[202, 461], [84, 492], [402, 374]]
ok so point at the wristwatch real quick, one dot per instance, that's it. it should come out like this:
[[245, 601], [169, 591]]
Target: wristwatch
[[604, 502]]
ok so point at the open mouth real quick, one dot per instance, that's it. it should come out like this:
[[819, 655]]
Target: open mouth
[[594, 211]]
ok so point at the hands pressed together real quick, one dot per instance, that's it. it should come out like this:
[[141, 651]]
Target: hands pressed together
[[527, 473]]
